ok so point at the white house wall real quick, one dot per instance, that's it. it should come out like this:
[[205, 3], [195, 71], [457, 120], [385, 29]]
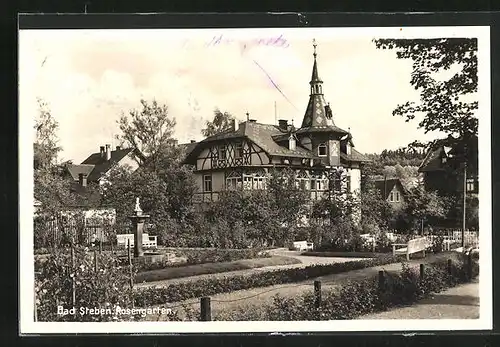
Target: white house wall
[[355, 180]]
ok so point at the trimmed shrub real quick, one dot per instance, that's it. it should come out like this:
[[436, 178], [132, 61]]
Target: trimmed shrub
[[211, 286], [196, 256], [362, 297]]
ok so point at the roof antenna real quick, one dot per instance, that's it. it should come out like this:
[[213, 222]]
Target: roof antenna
[[248, 116]]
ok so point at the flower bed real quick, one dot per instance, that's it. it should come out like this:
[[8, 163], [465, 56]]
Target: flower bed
[[361, 297], [211, 286], [344, 254], [194, 256], [211, 268]]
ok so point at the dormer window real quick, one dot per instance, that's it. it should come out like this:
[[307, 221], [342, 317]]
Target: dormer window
[[348, 148], [322, 150]]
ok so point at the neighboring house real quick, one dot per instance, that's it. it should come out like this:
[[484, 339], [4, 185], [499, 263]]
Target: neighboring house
[[443, 168], [392, 191], [97, 166], [242, 156]]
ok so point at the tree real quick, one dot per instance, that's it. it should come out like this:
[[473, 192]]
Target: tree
[[288, 199], [423, 207], [148, 131], [374, 209], [45, 147], [221, 122], [445, 104], [122, 188]]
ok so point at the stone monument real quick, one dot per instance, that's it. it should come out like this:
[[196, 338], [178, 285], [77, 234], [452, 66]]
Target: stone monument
[[138, 220]]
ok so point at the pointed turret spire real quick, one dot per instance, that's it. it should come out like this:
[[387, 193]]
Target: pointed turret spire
[[314, 77]]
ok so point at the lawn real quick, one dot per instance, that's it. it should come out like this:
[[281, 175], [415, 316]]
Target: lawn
[[212, 268], [345, 254]]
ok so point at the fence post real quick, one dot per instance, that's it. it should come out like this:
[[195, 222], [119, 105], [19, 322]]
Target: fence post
[[422, 271], [130, 265], [469, 266], [317, 298], [381, 280], [100, 244], [205, 309], [95, 261]]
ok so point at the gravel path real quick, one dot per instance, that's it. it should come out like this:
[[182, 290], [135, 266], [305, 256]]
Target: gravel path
[[304, 261], [241, 299], [461, 302]]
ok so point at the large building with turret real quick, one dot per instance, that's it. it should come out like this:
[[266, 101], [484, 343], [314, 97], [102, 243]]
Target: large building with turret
[[243, 156]]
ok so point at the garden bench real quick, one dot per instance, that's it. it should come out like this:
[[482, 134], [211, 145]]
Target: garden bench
[[413, 246], [302, 246], [147, 241]]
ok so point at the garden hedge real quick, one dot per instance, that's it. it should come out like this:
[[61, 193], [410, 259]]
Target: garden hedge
[[359, 298], [212, 286], [195, 256]]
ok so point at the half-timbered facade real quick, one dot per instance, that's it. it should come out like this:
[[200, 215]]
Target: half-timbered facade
[[243, 156]]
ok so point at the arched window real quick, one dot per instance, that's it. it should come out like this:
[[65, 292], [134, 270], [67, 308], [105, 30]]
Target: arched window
[[322, 150]]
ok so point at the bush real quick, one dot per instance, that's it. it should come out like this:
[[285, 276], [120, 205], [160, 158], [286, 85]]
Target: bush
[[195, 256], [211, 286], [361, 297], [211, 268], [107, 288]]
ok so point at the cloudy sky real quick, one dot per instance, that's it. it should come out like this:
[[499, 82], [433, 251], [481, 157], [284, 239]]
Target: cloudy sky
[[89, 77]]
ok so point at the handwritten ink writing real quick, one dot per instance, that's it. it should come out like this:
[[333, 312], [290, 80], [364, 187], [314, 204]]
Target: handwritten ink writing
[[279, 41]]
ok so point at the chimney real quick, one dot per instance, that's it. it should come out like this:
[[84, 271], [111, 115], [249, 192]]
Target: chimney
[[283, 124], [102, 152], [233, 125], [291, 142], [118, 148], [175, 143], [82, 179], [193, 141], [108, 152]]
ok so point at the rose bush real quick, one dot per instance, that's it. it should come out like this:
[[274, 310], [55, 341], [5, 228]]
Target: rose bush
[[108, 287]]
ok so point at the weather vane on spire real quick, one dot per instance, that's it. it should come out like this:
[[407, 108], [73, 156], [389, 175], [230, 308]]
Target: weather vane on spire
[[314, 45]]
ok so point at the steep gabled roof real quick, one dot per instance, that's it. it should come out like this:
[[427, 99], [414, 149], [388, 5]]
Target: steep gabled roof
[[260, 134], [388, 185], [75, 170], [101, 165], [354, 156]]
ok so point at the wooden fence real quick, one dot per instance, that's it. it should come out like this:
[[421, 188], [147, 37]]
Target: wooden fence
[[49, 233]]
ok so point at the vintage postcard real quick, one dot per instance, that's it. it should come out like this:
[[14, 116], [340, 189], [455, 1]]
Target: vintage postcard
[[255, 180]]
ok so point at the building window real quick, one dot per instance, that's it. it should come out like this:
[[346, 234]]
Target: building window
[[259, 183], [397, 196], [302, 183], [222, 152], [247, 182], [470, 184], [391, 197], [322, 150], [207, 183], [238, 150]]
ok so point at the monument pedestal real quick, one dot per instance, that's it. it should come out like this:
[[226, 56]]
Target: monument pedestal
[[138, 221]]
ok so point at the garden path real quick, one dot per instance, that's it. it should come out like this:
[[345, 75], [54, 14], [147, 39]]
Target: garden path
[[305, 261], [461, 302], [245, 299]]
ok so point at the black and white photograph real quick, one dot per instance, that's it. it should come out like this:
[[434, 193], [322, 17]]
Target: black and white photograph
[[255, 180]]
